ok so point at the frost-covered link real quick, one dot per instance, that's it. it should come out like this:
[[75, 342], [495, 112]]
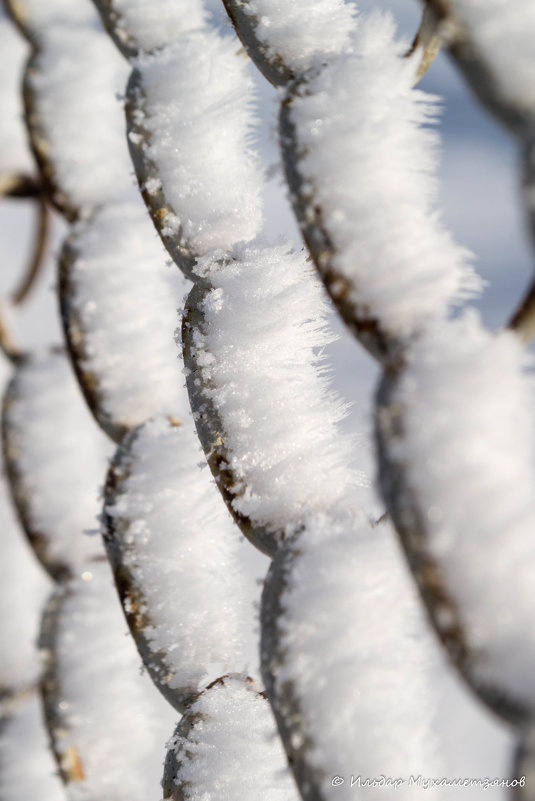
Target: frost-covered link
[[361, 166], [178, 562], [368, 706], [286, 39], [252, 335], [66, 104], [26, 762], [204, 194], [139, 26], [460, 487], [107, 722], [224, 748], [55, 471], [119, 307]]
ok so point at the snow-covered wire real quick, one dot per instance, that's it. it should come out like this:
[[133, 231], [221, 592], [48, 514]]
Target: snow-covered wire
[[54, 472], [65, 104], [119, 302], [457, 467], [177, 557], [107, 723]]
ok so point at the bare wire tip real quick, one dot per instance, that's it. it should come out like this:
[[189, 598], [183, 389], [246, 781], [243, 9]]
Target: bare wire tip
[[427, 42], [37, 256], [523, 320], [27, 187], [8, 346]]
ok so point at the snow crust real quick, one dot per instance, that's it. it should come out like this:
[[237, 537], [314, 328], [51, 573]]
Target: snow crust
[[185, 556], [502, 31], [154, 25], [124, 301], [468, 451], [80, 116], [60, 457], [24, 743], [232, 750], [369, 162], [197, 112], [14, 153], [260, 359], [302, 35], [107, 711]]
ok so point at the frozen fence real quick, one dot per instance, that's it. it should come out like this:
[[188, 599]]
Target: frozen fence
[[336, 668]]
